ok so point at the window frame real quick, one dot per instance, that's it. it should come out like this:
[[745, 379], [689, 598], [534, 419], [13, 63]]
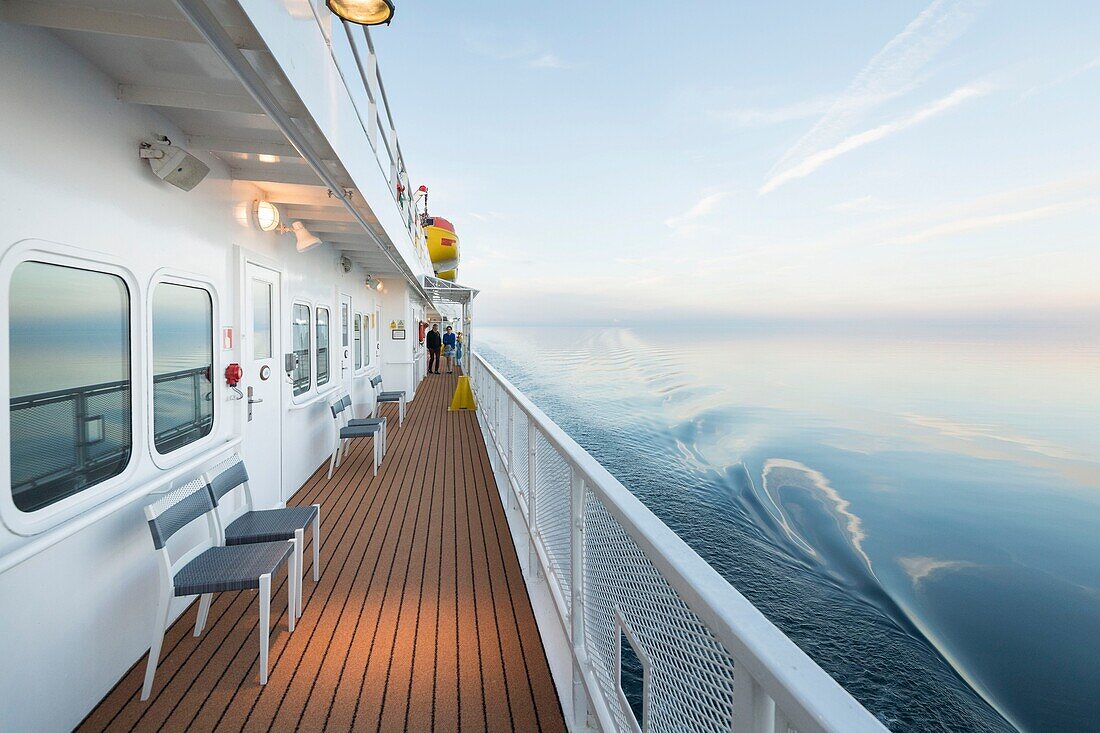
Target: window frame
[[50, 516], [304, 395], [359, 353], [316, 319], [173, 277]]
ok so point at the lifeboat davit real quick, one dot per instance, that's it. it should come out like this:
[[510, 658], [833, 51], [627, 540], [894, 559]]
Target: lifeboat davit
[[442, 245]]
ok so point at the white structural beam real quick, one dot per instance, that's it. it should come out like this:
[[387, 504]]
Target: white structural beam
[[275, 174], [218, 144], [187, 99], [88, 19]]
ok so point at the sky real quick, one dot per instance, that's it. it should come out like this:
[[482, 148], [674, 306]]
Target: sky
[[635, 162]]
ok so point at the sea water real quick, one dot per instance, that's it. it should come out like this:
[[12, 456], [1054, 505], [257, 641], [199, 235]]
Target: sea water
[[920, 512]]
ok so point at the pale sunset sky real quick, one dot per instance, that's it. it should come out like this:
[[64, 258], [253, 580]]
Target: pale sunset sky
[[637, 161]]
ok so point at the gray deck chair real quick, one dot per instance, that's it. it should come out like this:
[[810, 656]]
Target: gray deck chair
[[344, 433], [354, 422], [207, 568], [248, 525], [397, 396]]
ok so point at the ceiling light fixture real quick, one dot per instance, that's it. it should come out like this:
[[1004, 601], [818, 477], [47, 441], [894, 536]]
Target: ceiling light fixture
[[306, 240], [363, 12], [266, 215]]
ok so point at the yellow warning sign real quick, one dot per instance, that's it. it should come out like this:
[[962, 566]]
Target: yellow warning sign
[[464, 396]]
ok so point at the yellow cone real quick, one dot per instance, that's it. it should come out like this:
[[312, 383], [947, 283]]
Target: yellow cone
[[464, 396]]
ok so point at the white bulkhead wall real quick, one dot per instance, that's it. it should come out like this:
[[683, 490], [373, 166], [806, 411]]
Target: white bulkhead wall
[[78, 614]]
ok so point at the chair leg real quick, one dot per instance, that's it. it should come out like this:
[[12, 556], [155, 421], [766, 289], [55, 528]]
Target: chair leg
[[317, 544], [332, 458], [265, 623], [292, 578], [401, 412], [204, 611], [160, 622], [374, 441], [300, 553]]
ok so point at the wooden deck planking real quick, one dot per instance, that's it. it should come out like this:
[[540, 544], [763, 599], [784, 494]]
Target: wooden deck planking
[[420, 621]]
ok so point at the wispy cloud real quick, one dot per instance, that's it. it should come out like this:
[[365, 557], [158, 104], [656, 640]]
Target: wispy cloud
[[971, 224], [862, 205], [892, 72], [699, 209], [763, 116], [548, 61], [811, 163], [1080, 70]]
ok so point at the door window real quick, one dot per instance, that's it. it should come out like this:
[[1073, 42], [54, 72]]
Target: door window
[[358, 341], [261, 319]]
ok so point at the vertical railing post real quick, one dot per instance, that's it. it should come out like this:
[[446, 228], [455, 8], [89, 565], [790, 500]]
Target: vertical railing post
[[576, 602], [80, 413], [532, 464], [753, 710], [511, 449]]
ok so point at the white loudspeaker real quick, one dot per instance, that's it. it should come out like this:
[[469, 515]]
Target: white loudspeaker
[[174, 165]]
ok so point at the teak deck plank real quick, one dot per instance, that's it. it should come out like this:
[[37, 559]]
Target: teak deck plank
[[420, 621]]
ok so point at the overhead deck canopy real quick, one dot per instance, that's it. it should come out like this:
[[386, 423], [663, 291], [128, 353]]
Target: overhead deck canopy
[[217, 79], [445, 291]]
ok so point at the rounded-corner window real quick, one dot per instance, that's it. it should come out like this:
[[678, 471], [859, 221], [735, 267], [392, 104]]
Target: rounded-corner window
[[300, 338], [70, 384], [183, 365], [324, 370]]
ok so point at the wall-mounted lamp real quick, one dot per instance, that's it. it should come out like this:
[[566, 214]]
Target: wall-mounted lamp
[[266, 215], [363, 12], [306, 240], [173, 164]]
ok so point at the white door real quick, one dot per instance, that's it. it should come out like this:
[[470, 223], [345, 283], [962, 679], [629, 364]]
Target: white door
[[262, 384], [347, 367]]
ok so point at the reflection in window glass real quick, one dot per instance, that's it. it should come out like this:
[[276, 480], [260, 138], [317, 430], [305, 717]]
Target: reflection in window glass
[[183, 361], [261, 319], [344, 325], [69, 339], [299, 334], [358, 340], [322, 346]]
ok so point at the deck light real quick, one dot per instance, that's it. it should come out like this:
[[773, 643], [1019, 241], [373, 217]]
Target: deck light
[[306, 240], [266, 215], [363, 12]]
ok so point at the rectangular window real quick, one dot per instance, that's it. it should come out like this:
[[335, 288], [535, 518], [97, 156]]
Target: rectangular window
[[261, 319], [358, 340], [322, 346], [70, 382], [344, 325], [299, 334], [183, 362]]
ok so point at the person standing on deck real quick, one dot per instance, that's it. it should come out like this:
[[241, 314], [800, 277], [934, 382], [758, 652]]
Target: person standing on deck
[[449, 341], [458, 348], [433, 342]]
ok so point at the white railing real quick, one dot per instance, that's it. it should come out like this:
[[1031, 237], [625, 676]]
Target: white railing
[[617, 574]]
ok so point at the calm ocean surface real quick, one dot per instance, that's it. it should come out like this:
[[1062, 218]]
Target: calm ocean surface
[[920, 514]]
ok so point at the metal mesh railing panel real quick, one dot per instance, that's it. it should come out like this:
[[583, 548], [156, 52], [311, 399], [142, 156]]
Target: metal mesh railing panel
[[520, 448], [690, 679], [552, 511]]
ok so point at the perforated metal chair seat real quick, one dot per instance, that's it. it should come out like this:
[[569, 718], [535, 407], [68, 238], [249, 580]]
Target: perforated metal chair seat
[[391, 396], [358, 422], [231, 568], [269, 525], [360, 431]]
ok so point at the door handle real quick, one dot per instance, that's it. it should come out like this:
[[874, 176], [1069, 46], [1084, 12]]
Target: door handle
[[251, 401]]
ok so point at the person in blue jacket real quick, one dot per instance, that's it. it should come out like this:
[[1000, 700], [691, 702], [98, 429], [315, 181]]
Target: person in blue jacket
[[449, 341]]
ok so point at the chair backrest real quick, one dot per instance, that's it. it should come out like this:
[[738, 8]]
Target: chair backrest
[[337, 407], [177, 509], [376, 380], [229, 476]]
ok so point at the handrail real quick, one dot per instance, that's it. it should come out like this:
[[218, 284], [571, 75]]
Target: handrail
[[805, 694]]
